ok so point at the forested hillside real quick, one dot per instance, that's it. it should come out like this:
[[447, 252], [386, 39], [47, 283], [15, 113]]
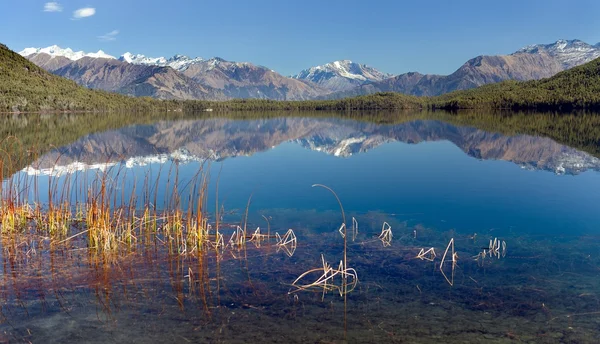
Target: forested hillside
[[576, 88]]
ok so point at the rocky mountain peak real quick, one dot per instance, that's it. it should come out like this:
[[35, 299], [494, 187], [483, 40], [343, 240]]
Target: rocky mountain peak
[[570, 53], [341, 75]]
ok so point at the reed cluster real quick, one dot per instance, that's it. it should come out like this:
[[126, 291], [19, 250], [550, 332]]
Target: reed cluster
[[112, 216]]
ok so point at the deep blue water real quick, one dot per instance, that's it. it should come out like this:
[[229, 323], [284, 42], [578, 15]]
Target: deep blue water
[[430, 178]]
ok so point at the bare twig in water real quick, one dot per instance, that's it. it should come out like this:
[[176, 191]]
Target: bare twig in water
[[257, 237], [238, 238], [454, 259], [327, 281], [287, 242], [386, 234], [428, 255], [342, 230]]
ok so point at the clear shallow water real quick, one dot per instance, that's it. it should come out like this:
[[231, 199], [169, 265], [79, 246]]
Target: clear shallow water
[[430, 180]]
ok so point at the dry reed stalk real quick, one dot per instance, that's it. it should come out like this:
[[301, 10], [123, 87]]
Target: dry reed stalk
[[257, 238], [342, 230], [454, 261], [345, 260], [386, 234], [428, 254], [238, 238], [287, 243], [326, 281], [354, 228]]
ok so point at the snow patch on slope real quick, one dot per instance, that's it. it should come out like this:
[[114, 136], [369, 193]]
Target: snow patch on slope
[[177, 62]]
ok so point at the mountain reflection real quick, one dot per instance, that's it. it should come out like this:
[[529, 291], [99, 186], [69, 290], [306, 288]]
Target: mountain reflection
[[217, 139]]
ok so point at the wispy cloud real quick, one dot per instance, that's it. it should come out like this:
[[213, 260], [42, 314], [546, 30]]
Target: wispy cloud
[[84, 12], [52, 7], [111, 36]]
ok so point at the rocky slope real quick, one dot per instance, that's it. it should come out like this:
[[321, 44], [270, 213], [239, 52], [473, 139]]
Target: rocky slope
[[246, 80], [135, 80], [569, 53]]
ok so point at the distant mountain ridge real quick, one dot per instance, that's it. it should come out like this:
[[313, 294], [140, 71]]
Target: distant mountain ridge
[[117, 76], [177, 62], [218, 79], [179, 77], [56, 51], [529, 63]]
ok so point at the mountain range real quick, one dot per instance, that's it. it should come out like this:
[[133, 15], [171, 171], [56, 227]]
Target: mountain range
[[182, 77], [196, 140], [529, 63]]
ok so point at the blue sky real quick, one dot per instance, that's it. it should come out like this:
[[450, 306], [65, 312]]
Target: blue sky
[[394, 36]]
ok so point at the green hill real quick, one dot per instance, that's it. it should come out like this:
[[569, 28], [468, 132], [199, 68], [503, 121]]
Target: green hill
[[576, 88], [27, 87]]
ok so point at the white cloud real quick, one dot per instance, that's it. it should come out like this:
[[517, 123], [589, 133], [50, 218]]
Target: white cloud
[[52, 7], [111, 36], [84, 12]]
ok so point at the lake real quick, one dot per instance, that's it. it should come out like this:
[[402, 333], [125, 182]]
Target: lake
[[194, 229]]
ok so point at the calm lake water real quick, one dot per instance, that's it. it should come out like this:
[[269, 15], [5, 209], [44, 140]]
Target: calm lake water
[[521, 213]]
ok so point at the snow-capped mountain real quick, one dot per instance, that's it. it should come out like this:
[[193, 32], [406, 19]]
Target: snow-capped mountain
[[221, 79], [177, 62], [187, 78], [341, 75], [55, 50], [570, 53]]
